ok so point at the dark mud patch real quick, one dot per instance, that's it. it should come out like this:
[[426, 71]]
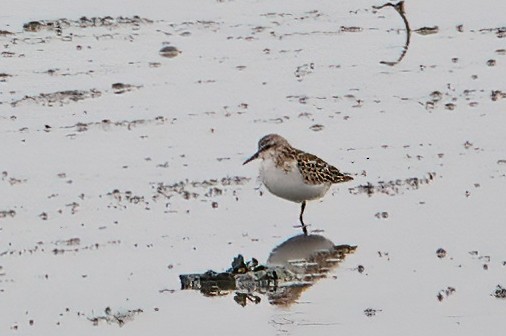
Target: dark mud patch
[[10, 179], [187, 189], [483, 259], [169, 52], [7, 214], [56, 72], [500, 292], [445, 293], [58, 98], [84, 22], [4, 76], [316, 127], [449, 98], [122, 199], [304, 70], [427, 30], [393, 187], [441, 253], [500, 32], [9, 54], [497, 94], [120, 88], [118, 317], [370, 312], [318, 101], [107, 124], [59, 247]]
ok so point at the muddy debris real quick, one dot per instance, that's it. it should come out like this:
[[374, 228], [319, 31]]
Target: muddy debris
[[316, 127], [128, 197], [393, 187], [185, 188], [8, 54], [33, 26], [441, 253], [59, 247], [448, 100], [427, 30], [303, 70], [385, 254], [350, 29], [84, 22], [7, 213], [500, 292], [499, 31], [436, 96], [212, 283], [381, 215], [468, 144], [69, 242], [118, 317], [59, 98], [445, 293], [106, 124], [65, 72], [169, 52], [119, 88], [370, 312], [4, 76], [497, 94], [450, 106]]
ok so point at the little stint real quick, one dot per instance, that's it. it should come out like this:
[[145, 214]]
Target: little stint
[[292, 174]]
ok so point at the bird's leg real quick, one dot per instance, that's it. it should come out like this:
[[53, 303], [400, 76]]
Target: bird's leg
[[302, 207]]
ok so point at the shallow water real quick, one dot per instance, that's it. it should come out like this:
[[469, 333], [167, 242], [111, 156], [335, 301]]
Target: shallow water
[[121, 168]]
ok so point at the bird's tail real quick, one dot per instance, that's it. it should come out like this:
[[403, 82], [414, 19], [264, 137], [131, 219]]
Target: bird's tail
[[341, 178]]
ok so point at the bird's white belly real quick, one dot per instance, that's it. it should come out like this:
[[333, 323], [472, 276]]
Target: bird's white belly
[[289, 184]]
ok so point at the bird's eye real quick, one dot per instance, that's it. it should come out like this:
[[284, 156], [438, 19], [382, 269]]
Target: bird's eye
[[265, 147]]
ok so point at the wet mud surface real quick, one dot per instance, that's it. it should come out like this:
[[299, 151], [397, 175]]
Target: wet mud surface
[[122, 144]]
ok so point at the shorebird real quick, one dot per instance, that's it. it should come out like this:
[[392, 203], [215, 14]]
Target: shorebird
[[292, 174]]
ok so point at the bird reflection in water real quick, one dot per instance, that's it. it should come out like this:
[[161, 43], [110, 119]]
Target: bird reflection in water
[[292, 267]]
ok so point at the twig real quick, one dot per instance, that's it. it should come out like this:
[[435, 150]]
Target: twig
[[399, 7]]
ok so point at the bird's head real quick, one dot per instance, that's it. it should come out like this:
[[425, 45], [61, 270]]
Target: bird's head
[[268, 142]]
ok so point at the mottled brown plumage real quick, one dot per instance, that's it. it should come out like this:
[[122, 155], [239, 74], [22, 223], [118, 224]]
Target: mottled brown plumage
[[316, 171], [293, 174], [313, 169]]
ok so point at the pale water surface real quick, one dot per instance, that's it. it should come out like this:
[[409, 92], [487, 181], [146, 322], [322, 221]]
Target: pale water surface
[[109, 192]]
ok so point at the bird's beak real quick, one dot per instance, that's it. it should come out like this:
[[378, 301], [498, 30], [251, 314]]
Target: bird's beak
[[253, 157]]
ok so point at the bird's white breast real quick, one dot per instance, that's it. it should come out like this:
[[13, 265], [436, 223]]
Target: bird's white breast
[[288, 183]]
